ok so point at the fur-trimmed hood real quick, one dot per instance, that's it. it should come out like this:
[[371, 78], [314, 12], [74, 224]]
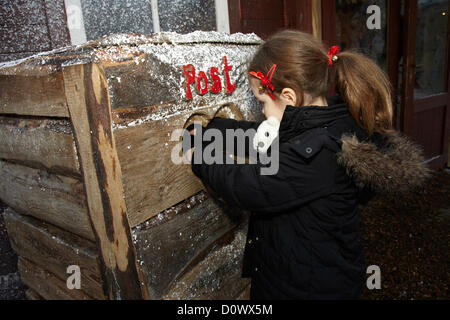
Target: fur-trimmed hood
[[386, 162], [392, 164]]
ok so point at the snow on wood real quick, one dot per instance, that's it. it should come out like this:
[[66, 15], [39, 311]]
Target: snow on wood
[[125, 95]]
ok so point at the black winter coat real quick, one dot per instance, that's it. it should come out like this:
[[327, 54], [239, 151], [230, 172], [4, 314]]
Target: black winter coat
[[303, 237]]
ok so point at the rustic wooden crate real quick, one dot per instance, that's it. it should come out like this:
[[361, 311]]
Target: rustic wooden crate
[[86, 136]]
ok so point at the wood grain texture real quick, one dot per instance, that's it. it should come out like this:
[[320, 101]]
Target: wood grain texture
[[90, 111], [32, 295], [329, 22], [35, 95], [138, 85], [171, 242], [55, 249], [53, 198], [216, 277], [152, 181], [245, 295], [49, 286], [39, 143]]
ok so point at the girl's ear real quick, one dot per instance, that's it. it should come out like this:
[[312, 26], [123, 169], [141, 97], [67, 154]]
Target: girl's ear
[[289, 95]]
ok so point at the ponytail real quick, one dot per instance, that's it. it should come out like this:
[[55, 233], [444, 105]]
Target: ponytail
[[366, 89]]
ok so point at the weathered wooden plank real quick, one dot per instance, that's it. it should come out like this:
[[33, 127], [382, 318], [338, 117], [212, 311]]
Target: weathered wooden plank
[[245, 295], [53, 198], [33, 295], [56, 249], [149, 174], [216, 277], [88, 100], [170, 242], [39, 143], [49, 286], [34, 95]]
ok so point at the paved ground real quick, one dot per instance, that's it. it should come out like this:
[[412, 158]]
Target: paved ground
[[407, 236]]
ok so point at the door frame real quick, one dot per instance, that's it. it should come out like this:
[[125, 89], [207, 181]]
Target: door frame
[[411, 106]]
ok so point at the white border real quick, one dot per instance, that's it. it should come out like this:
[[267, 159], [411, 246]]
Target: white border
[[222, 19], [75, 22], [155, 16]]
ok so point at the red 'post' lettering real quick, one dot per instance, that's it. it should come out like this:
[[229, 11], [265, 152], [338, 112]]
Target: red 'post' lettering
[[226, 69], [200, 90], [189, 71], [217, 84]]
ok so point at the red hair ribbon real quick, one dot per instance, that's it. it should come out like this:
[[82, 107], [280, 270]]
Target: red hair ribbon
[[266, 80], [334, 50]]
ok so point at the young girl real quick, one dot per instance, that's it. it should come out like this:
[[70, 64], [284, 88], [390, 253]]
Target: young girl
[[303, 237]]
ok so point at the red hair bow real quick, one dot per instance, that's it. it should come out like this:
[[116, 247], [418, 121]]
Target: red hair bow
[[266, 80], [334, 50]]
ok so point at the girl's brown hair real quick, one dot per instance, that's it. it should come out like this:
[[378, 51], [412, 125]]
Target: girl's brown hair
[[303, 65]]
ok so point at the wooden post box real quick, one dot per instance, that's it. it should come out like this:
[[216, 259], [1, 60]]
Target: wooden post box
[[87, 137]]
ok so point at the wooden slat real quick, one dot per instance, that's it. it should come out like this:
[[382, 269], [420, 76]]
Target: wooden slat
[[137, 86], [88, 100], [49, 286], [53, 198], [55, 249], [35, 95], [217, 277], [149, 174], [245, 295], [39, 143], [33, 295], [180, 235]]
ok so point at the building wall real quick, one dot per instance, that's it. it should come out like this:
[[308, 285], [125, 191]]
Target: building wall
[[28, 27], [31, 26]]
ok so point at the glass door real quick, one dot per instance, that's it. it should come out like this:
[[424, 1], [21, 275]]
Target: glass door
[[425, 92]]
